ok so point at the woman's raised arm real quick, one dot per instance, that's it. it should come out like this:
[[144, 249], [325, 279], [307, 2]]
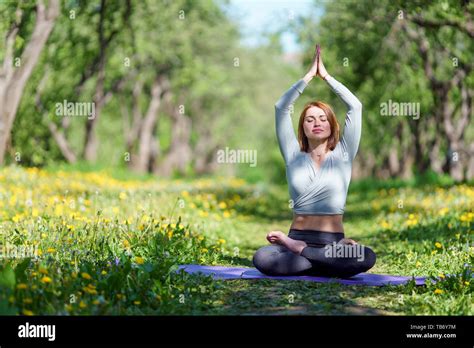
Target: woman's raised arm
[[353, 122], [287, 141]]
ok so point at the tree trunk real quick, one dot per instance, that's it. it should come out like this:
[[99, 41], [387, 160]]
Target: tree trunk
[[141, 162], [179, 154], [13, 80]]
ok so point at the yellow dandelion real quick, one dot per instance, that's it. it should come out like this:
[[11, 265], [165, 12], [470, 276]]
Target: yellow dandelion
[[204, 250], [136, 302], [103, 272], [27, 300], [442, 276], [222, 205], [27, 312], [438, 291], [226, 214], [96, 302], [46, 280], [126, 243], [43, 270], [22, 286], [123, 195], [82, 304], [86, 275], [139, 260], [467, 283], [438, 245], [51, 250], [221, 241], [418, 264]]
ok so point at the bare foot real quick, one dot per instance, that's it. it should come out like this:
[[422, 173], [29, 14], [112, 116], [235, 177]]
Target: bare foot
[[278, 237]]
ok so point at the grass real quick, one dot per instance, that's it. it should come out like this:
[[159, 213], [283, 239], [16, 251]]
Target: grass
[[103, 244]]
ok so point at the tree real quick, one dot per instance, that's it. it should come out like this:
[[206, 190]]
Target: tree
[[15, 75]]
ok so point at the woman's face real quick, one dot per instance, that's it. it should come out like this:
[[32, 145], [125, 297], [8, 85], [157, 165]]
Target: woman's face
[[316, 125]]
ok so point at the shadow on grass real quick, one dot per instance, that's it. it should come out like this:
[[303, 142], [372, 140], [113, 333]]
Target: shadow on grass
[[287, 297]]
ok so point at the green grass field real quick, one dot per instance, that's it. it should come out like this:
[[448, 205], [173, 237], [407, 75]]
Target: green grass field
[[105, 245]]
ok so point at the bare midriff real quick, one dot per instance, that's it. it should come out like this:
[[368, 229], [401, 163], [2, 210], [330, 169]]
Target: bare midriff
[[325, 223]]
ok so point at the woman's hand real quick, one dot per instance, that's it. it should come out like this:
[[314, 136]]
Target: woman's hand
[[321, 71], [313, 71], [347, 241]]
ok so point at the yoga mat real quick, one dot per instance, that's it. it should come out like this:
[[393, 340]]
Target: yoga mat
[[370, 279]]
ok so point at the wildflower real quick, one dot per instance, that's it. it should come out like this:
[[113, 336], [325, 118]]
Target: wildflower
[[82, 304], [123, 195], [96, 302], [139, 260], [466, 283], [442, 276], [22, 286], [222, 205], [136, 302], [443, 211], [43, 270], [221, 241], [103, 272], [126, 243], [27, 312], [438, 291], [51, 250], [46, 280], [86, 275], [438, 245], [418, 263], [204, 250]]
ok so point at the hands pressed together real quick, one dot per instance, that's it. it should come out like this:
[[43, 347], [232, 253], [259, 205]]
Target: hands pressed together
[[317, 66]]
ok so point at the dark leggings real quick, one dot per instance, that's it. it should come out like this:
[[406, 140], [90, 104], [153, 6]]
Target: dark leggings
[[323, 256]]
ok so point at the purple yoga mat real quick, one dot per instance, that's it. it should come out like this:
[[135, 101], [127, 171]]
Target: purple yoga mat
[[370, 279]]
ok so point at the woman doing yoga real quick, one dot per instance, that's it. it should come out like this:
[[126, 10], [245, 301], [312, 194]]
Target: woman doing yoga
[[318, 171]]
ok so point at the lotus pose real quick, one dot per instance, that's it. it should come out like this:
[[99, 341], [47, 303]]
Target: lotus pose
[[318, 171]]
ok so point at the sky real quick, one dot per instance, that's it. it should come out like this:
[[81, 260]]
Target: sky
[[257, 16]]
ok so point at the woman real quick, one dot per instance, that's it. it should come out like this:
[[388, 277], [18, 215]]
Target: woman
[[318, 171]]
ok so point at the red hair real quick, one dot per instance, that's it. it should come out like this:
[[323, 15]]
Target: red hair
[[333, 138]]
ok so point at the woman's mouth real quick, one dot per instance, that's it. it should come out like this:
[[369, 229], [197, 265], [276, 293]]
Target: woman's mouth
[[318, 130]]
